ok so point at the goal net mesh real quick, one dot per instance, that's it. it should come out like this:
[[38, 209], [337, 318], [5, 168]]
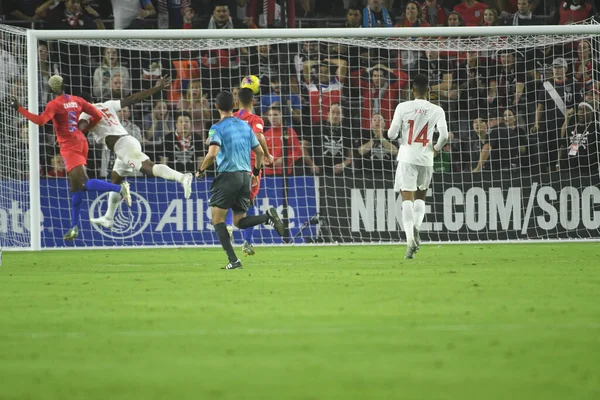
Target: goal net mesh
[[522, 161]]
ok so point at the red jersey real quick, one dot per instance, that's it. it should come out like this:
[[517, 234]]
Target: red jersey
[[64, 111], [471, 15], [256, 123]]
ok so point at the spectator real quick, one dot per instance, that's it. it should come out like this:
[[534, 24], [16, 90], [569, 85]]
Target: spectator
[[235, 91], [380, 93], [130, 14], [274, 137], [440, 76], [556, 97], [481, 146], [490, 17], [471, 12], [183, 149], [171, 13], [375, 15], [510, 79], [581, 134], [412, 17], [586, 73], [221, 66], [45, 70], [571, 12], [76, 16], [9, 67], [124, 115], [518, 133], [433, 13], [157, 125], [353, 17], [57, 167], [331, 143], [454, 19], [524, 15], [111, 65], [196, 105], [273, 17], [377, 153], [273, 99], [265, 64], [324, 89]]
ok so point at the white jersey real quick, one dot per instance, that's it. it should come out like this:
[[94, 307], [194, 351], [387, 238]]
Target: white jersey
[[109, 125], [415, 122]]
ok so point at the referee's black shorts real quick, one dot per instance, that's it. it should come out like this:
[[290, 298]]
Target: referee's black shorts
[[231, 190]]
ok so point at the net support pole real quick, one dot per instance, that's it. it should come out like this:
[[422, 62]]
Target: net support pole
[[35, 208]]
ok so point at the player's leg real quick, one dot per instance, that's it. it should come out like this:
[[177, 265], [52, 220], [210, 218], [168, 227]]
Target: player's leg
[[223, 190], [248, 246], [241, 205], [423, 182], [129, 150], [120, 170], [77, 195], [406, 184]]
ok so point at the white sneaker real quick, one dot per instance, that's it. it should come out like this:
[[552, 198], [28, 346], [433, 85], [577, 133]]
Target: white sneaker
[[186, 182], [411, 249], [125, 193], [417, 238], [103, 222]]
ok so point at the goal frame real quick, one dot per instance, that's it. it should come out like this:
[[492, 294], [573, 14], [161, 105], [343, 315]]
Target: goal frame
[[34, 36]]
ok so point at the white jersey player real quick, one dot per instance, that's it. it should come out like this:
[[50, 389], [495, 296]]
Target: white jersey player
[[128, 150], [415, 123]]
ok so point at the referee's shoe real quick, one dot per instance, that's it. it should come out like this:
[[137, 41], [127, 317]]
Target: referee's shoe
[[275, 221]]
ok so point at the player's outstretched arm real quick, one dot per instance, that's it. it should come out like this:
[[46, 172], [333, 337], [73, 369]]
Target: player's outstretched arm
[[396, 125], [161, 84], [36, 119], [91, 110]]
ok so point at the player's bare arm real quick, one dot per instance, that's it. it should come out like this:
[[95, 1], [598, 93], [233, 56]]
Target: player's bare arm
[[395, 126], [36, 119], [268, 158], [160, 85], [210, 158], [258, 150]]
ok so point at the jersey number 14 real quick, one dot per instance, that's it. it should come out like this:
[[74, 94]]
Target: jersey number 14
[[421, 136]]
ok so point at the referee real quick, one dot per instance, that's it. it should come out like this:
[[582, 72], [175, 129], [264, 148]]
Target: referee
[[230, 143]]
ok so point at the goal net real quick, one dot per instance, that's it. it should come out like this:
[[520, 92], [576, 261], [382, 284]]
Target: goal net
[[522, 161]]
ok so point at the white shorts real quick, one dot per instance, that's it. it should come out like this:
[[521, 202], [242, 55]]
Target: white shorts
[[129, 156], [412, 177]]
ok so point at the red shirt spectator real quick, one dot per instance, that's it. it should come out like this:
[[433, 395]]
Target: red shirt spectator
[[323, 90], [274, 140], [471, 11], [577, 11], [433, 14], [412, 17]]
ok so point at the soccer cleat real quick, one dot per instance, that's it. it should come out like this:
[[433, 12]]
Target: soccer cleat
[[248, 249], [230, 232], [125, 193], [71, 234], [234, 265], [103, 221], [187, 185], [410, 251], [417, 238], [275, 221]]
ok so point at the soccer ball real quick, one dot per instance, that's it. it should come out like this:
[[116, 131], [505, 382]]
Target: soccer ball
[[251, 82]]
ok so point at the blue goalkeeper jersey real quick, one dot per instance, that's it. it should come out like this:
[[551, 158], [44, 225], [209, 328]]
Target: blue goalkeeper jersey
[[236, 140]]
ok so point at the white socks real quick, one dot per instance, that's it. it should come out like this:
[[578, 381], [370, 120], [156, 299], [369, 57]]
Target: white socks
[[163, 171], [408, 221], [419, 213], [113, 202]]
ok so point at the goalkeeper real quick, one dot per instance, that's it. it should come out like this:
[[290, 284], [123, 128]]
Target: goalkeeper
[[128, 149]]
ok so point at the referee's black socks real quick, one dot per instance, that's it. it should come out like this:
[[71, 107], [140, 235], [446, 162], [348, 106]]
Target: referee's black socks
[[253, 220], [225, 240]]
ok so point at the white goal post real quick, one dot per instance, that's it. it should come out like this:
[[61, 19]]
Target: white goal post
[[505, 201]]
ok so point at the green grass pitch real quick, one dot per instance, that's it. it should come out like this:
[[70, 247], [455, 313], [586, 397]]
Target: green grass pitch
[[347, 322]]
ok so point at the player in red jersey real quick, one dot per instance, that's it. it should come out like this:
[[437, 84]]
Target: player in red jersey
[[64, 112], [246, 103]]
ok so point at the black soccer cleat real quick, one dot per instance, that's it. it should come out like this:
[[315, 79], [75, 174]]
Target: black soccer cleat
[[275, 221], [233, 265]]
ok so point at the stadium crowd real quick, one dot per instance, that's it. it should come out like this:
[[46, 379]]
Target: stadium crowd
[[327, 106]]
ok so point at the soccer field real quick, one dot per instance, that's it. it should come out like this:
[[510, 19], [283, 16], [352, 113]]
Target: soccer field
[[347, 322]]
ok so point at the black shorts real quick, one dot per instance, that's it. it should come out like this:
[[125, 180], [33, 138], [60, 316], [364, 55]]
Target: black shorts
[[231, 190]]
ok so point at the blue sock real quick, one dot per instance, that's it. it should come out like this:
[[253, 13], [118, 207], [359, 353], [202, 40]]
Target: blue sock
[[76, 200], [249, 231], [229, 218], [97, 185]]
